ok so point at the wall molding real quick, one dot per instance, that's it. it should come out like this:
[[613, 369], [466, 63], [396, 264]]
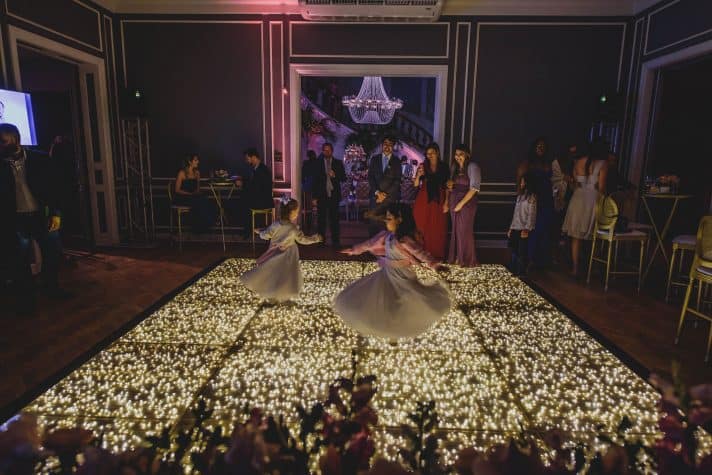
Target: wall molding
[[367, 56], [669, 45], [100, 48], [259, 23]]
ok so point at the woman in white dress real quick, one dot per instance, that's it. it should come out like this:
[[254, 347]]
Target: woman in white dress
[[589, 185], [392, 302], [277, 276]]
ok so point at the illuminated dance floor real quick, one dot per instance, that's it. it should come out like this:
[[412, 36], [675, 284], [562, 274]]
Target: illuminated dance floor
[[503, 360]]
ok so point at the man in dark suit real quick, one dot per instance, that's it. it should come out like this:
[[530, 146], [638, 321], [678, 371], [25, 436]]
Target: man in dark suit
[[28, 211], [329, 173], [258, 188], [384, 179]]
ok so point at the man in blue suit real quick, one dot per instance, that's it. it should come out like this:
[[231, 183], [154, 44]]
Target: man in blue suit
[[384, 179]]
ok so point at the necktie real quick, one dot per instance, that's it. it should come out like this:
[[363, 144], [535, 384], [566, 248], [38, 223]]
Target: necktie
[[329, 184], [385, 161]]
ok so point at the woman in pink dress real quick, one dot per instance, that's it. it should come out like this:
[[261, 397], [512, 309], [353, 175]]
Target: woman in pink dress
[[430, 208], [392, 302]]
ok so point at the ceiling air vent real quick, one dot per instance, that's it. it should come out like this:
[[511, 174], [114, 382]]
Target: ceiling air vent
[[371, 10]]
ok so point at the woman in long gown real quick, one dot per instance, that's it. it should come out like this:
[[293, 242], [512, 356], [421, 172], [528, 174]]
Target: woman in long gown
[[540, 170], [463, 188], [589, 185], [278, 276], [430, 208], [392, 302]]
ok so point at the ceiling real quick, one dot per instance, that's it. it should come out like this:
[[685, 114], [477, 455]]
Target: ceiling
[[450, 7]]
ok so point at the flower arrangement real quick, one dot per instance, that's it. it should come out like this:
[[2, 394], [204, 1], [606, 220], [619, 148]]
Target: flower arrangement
[[335, 437]]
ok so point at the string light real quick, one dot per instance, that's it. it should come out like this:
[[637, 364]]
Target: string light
[[502, 360]]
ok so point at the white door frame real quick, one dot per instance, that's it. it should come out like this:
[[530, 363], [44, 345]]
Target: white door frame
[[296, 71], [646, 104], [95, 65]]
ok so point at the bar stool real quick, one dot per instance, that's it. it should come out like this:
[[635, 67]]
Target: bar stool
[[682, 243], [179, 210], [701, 272], [268, 214]]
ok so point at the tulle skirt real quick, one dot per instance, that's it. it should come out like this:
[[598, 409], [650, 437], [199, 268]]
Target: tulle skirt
[[277, 278], [392, 303]]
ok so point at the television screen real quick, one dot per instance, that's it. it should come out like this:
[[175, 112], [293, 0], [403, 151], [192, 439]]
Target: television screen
[[16, 109]]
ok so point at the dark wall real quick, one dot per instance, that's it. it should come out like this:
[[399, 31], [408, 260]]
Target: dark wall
[[203, 88], [539, 80]]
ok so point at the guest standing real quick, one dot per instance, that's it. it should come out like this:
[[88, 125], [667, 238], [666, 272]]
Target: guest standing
[[562, 182], [257, 189], [329, 174], [523, 222], [187, 193], [28, 211], [308, 199], [384, 180], [590, 183], [461, 196], [431, 208], [540, 171]]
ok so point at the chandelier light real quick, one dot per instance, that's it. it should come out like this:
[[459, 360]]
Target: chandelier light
[[372, 105]]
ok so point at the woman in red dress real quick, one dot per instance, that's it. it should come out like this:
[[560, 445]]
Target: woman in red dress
[[431, 207]]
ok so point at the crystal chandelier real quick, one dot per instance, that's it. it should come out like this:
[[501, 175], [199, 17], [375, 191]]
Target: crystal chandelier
[[372, 105]]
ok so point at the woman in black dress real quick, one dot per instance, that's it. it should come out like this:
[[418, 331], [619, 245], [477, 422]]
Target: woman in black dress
[[187, 193]]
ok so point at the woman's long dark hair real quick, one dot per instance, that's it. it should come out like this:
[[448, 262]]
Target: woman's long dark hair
[[406, 228], [434, 181], [468, 158], [185, 161], [597, 151], [536, 161]]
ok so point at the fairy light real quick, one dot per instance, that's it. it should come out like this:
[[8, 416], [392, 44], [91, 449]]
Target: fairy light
[[502, 360]]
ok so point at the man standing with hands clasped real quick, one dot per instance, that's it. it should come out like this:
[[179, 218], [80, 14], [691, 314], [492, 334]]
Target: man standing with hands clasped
[[384, 179], [329, 174]]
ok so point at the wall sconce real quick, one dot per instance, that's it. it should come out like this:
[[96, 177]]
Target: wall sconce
[[285, 91]]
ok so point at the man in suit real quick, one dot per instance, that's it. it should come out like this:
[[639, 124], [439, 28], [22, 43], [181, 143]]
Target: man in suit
[[28, 211], [258, 187], [329, 174], [384, 179]]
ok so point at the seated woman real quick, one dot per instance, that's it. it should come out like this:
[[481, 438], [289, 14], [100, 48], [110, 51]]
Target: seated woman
[[187, 193]]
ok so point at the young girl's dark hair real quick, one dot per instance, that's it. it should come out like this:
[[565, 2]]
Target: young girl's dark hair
[[530, 186], [402, 211], [286, 209]]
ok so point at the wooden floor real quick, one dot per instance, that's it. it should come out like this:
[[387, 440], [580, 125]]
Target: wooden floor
[[114, 286]]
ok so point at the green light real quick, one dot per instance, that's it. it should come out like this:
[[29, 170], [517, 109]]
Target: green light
[[603, 98]]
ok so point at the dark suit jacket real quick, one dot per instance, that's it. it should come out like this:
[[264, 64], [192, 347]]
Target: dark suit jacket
[[43, 181], [258, 189], [388, 181], [320, 177]]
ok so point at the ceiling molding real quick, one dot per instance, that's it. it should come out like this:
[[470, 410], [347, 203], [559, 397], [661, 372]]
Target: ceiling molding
[[450, 7], [111, 5], [641, 5], [539, 7]]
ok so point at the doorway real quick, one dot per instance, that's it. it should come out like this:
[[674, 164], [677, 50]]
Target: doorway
[[53, 83], [87, 98], [679, 143]]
